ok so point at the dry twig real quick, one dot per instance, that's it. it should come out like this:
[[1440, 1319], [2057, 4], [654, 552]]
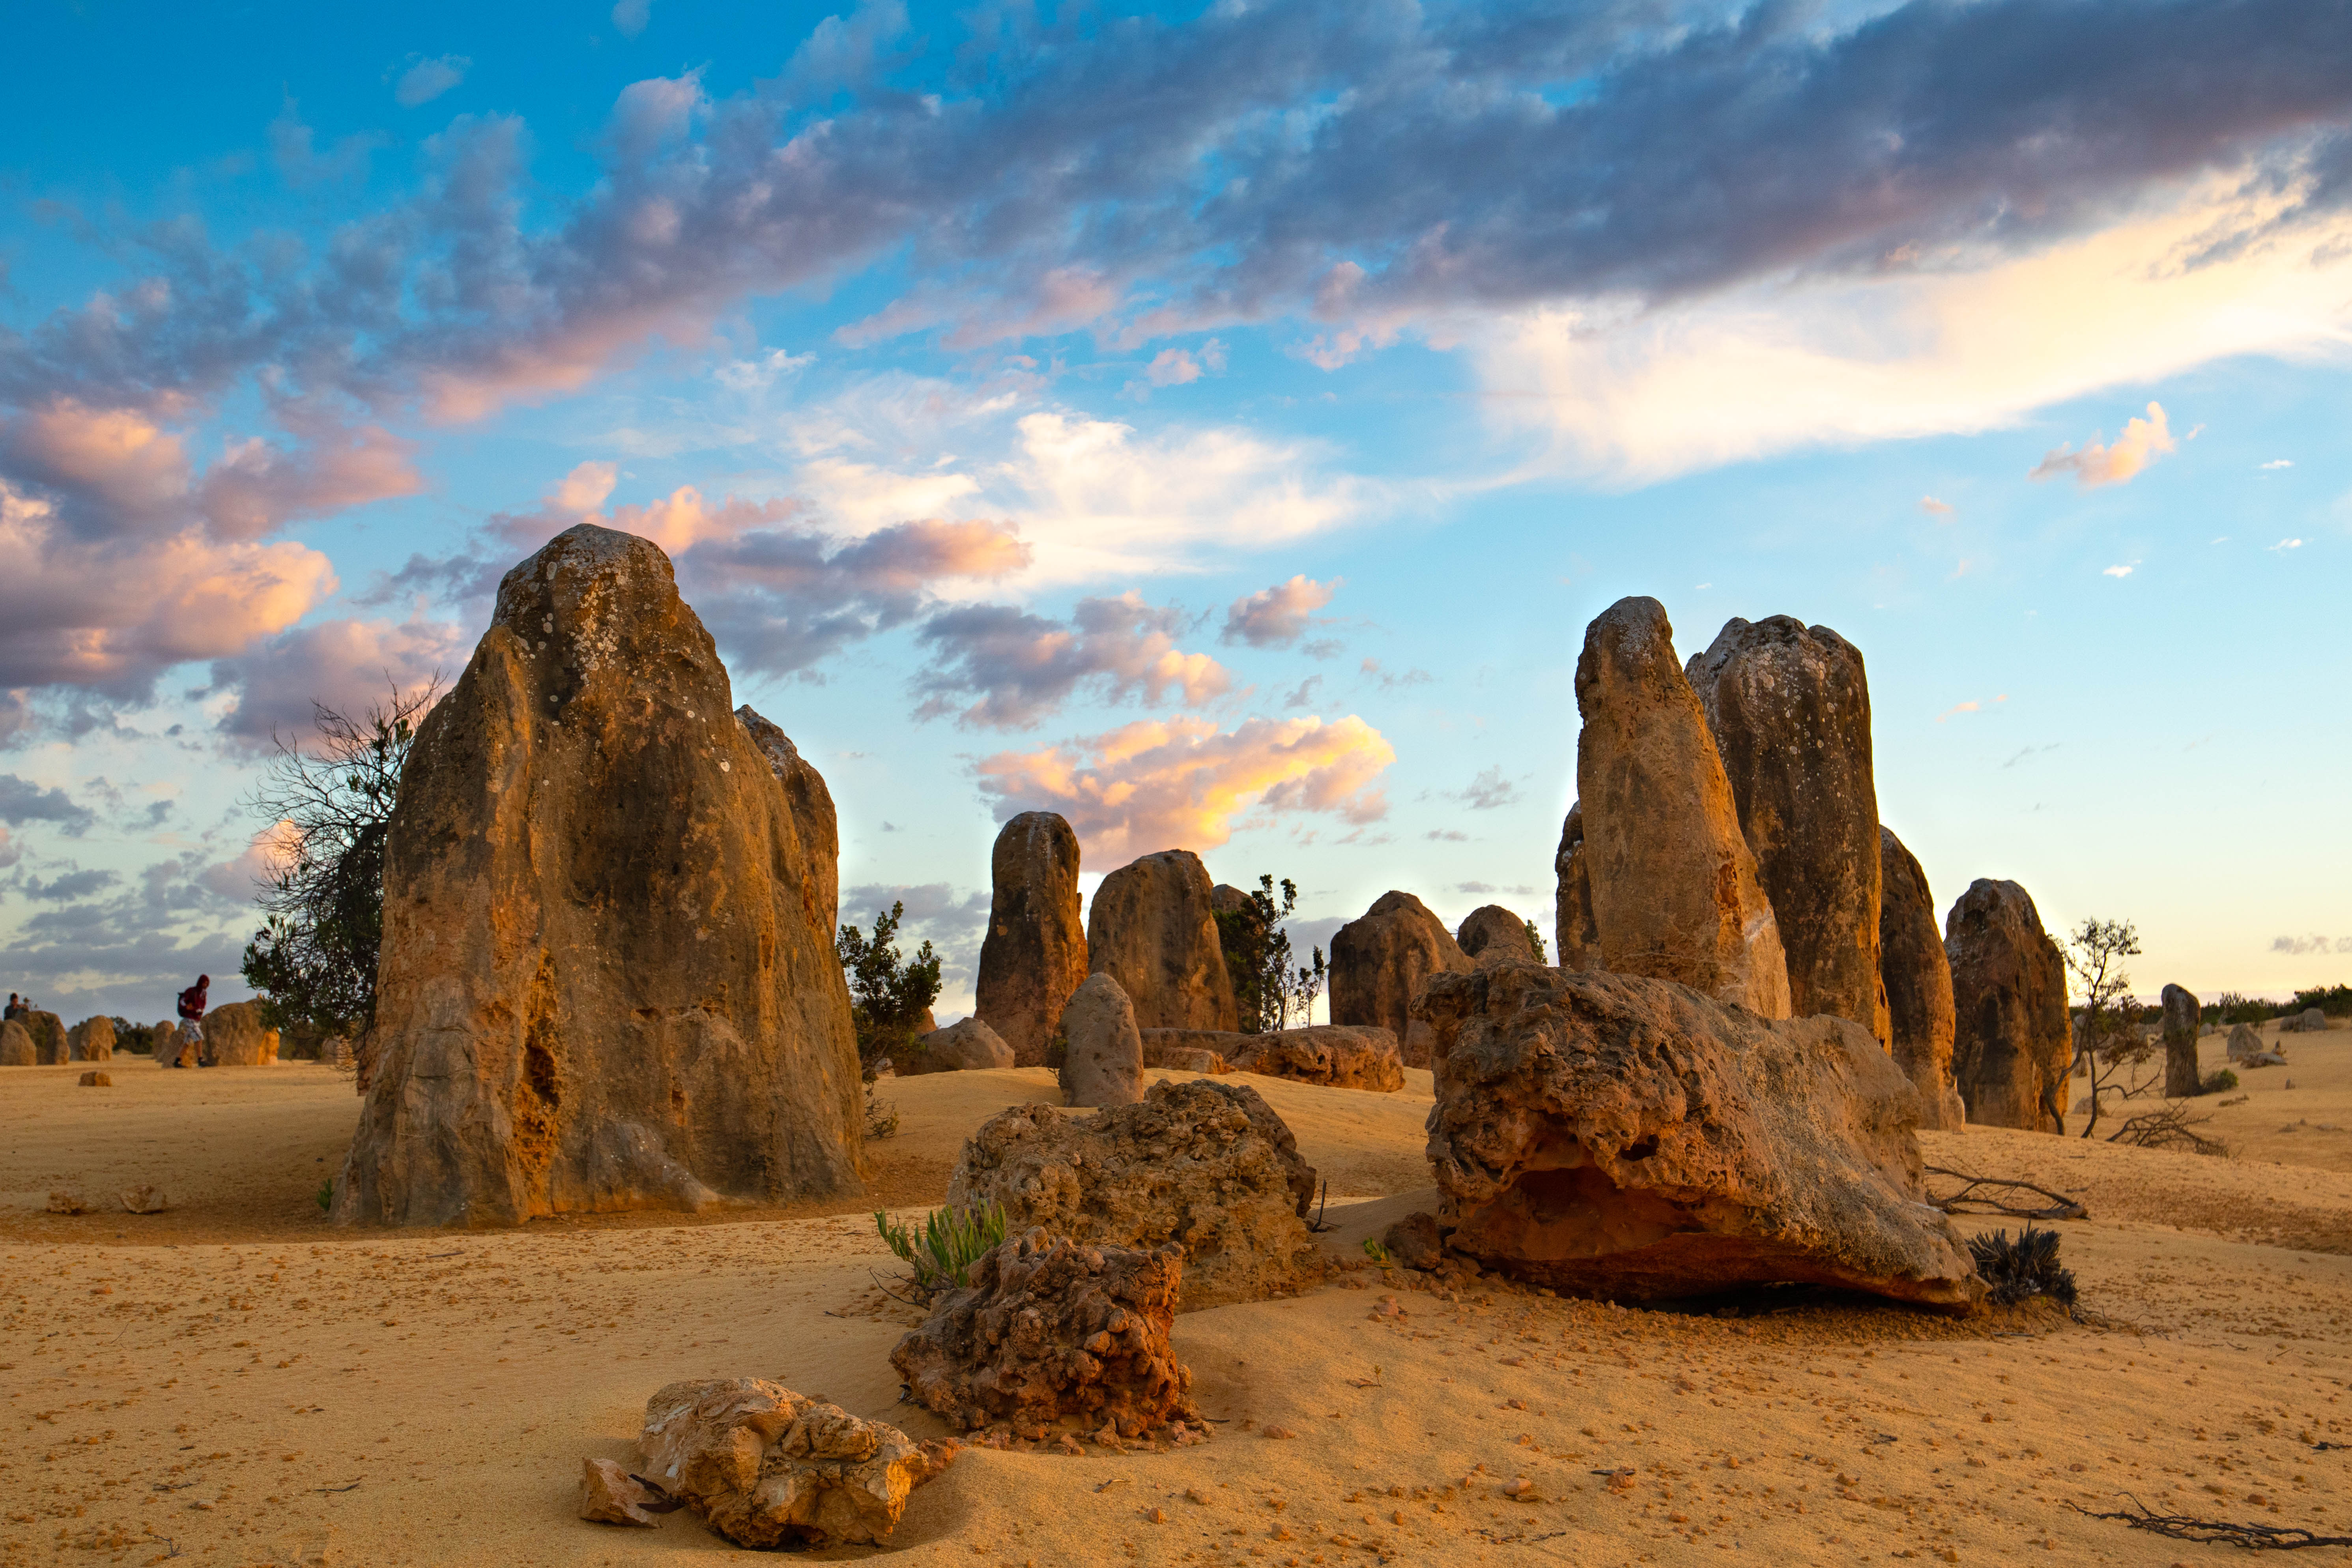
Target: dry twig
[[1970, 1200], [2181, 1527], [2170, 1127]]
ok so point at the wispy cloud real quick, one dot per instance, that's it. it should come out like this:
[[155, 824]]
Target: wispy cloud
[[1934, 508], [1022, 668], [2121, 571], [1971, 706], [2286, 544], [426, 80], [2142, 442], [1279, 616], [2279, 463], [2305, 946]]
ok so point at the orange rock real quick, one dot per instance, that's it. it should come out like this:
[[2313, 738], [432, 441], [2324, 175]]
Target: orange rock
[[610, 1495], [96, 1080]]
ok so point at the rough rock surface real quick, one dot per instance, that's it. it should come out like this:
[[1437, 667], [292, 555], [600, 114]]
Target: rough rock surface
[[1674, 891], [1381, 962], [1153, 927], [1918, 979], [95, 1079], [606, 980], [818, 825], [1207, 1166], [1789, 706], [2311, 1021], [1102, 1063], [965, 1046], [145, 1198], [610, 1495], [51, 1047], [1493, 933], [766, 1466], [2245, 1041], [2011, 1043], [234, 1037], [1618, 1136], [16, 1045], [1574, 932], [1052, 1328], [1034, 954], [1414, 1241], [1338, 1055], [2181, 1014], [91, 1040], [1184, 1049]]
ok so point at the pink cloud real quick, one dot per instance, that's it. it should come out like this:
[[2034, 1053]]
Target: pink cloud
[[347, 665], [1180, 783]]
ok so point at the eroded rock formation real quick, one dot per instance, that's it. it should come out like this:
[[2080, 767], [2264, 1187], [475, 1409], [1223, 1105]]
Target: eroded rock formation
[[608, 978], [1623, 1137], [1152, 928], [1574, 932], [1379, 962], [766, 1466], [91, 1040], [16, 1049], [2182, 1012], [1918, 977], [1102, 1062], [51, 1047], [2245, 1043], [966, 1046], [1674, 891], [1191, 1050], [2011, 1043], [1207, 1166], [234, 1037], [1789, 706], [1053, 1328], [1493, 934], [1034, 954], [817, 872], [1337, 1056]]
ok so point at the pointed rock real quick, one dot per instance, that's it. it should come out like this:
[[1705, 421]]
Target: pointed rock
[[1153, 929], [1574, 932], [2011, 1042], [1034, 954], [2182, 1013], [1918, 980], [1381, 962]]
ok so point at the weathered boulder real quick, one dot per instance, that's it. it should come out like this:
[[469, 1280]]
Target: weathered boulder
[[1620, 1136], [2245, 1041], [606, 983], [91, 1040], [1186, 1049], [1789, 706], [1152, 928], [1918, 977], [610, 1495], [16, 1049], [1102, 1061], [1381, 962], [817, 871], [1574, 932], [2011, 1044], [1034, 954], [234, 1037], [2311, 1021], [1493, 934], [967, 1044], [95, 1079], [1674, 891], [1414, 1241], [766, 1466], [1207, 1166], [1051, 1328], [143, 1198], [2181, 1012], [1338, 1055], [51, 1047]]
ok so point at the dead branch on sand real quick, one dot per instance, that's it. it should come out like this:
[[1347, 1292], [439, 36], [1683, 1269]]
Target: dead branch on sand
[[2170, 1127], [2181, 1527], [1978, 1195]]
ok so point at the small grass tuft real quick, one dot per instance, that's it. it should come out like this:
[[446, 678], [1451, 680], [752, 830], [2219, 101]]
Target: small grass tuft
[[326, 1194], [2020, 1269], [2221, 1081], [943, 1249]]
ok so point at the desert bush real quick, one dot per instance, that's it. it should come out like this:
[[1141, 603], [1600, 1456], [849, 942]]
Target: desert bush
[[137, 1039], [2231, 1008], [2018, 1271], [942, 1251], [2220, 1080], [881, 1115], [2109, 1040], [2336, 1000], [891, 993], [1268, 993]]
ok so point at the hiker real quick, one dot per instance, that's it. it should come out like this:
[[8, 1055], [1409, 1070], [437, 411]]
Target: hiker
[[191, 1018], [17, 1008]]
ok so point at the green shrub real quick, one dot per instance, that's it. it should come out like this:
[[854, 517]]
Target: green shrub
[[890, 993], [2028, 1267], [2221, 1081], [2333, 1000], [949, 1243], [326, 1194]]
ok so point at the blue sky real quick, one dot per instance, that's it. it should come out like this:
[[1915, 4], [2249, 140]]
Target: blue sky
[[1217, 423]]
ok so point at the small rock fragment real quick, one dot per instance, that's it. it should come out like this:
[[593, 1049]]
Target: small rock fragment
[[65, 1200], [96, 1080], [610, 1495], [145, 1198], [1413, 1242]]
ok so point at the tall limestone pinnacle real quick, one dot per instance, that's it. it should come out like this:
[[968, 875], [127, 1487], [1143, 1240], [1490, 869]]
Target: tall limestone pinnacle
[[608, 979]]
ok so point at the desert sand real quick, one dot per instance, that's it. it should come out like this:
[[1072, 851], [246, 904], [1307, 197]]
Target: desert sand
[[234, 1381]]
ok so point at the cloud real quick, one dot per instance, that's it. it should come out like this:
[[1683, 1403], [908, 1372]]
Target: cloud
[[1179, 784], [1446, 836], [1935, 508], [2285, 544], [1279, 616], [2305, 946], [271, 851], [426, 80], [1024, 667], [2142, 442], [1304, 694], [350, 665], [292, 147], [1371, 670], [21, 802], [2118, 571], [1970, 706], [630, 17], [69, 886], [1490, 790], [2278, 463]]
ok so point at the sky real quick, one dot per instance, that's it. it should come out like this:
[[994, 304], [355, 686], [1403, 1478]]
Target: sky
[[1215, 424]]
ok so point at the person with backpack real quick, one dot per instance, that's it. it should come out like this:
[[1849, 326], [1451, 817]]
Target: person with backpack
[[191, 1018]]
